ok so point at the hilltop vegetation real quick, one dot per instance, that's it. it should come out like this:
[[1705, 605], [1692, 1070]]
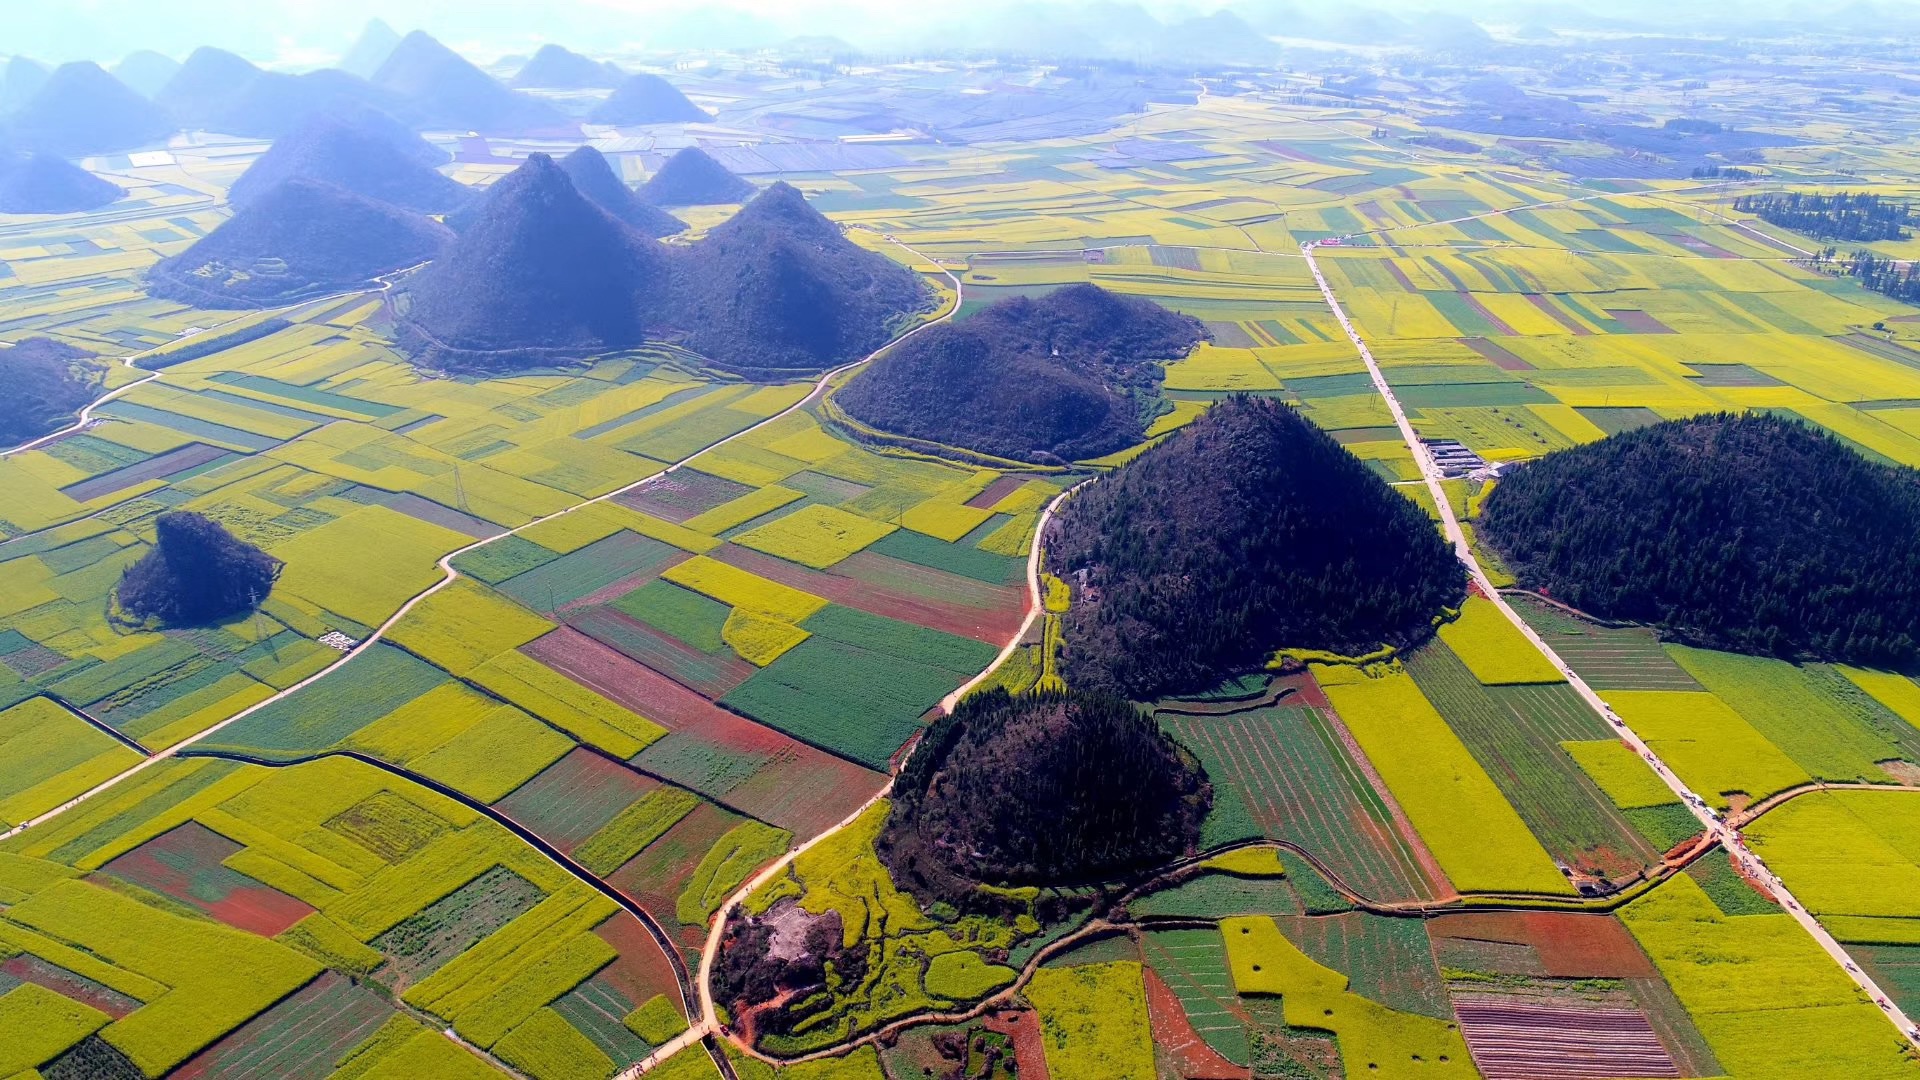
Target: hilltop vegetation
[[43, 382], [692, 178], [299, 238], [1061, 788], [1248, 531], [366, 154], [197, 572], [1071, 375], [647, 99], [1752, 533], [594, 177], [540, 274], [45, 184], [778, 288]]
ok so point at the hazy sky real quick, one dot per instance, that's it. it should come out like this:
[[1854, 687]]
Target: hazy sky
[[312, 32]]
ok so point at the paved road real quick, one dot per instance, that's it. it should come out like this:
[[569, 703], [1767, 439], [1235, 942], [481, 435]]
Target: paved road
[[1730, 838]]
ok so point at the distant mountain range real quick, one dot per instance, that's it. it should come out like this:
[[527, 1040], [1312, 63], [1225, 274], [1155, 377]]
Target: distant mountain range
[[438, 88], [81, 109]]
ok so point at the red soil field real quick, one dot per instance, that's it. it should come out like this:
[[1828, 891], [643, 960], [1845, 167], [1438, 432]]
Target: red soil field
[[706, 674], [1173, 1034], [572, 798], [1023, 1027], [649, 693], [1515, 1040], [1480, 309], [1001, 487], [682, 494], [873, 584], [1306, 690], [185, 864], [1546, 307], [1570, 946], [655, 877], [29, 968], [641, 970], [806, 795], [1639, 321], [1501, 358]]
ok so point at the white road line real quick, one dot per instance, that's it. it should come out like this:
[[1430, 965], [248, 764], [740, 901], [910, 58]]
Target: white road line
[[1729, 838]]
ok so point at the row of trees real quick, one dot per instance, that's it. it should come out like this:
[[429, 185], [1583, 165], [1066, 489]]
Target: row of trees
[[1889, 277], [1845, 215]]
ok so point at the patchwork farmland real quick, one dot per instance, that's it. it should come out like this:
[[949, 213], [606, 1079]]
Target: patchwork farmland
[[576, 679]]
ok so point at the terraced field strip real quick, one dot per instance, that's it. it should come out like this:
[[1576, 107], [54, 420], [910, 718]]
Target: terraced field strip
[[1194, 965], [1515, 733], [1514, 1041], [1300, 787], [1628, 658]]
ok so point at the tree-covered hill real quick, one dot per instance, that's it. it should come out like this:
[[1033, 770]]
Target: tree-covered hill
[[43, 382], [197, 572], [82, 110], [300, 238], [556, 67], [540, 274], [692, 178], [1040, 789], [365, 153], [647, 99], [1248, 531], [778, 288], [436, 87], [45, 184], [593, 175], [1753, 533], [1071, 375]]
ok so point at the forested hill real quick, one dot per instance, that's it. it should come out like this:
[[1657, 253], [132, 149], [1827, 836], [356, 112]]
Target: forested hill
[[1071, 375], [299, 238], [196, 573], [1249, 531], [43, 382], [1041, 789], [1752, 533]]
